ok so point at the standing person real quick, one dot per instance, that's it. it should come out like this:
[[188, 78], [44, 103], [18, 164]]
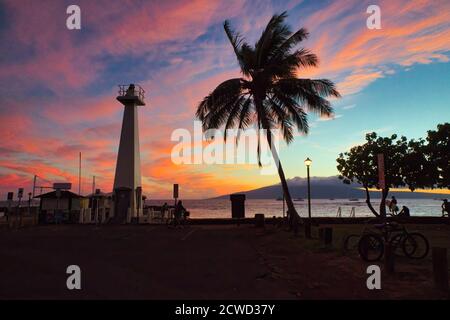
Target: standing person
[[179, 210], [164, 209], [445, 208]]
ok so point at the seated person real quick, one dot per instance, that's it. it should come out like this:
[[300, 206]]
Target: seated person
[[404, 212], [393, 206]]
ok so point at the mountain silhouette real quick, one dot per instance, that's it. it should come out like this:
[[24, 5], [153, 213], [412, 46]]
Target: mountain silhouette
[[326, 188]]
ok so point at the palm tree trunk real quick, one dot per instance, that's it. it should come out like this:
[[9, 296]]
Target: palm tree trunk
[[293, 216]]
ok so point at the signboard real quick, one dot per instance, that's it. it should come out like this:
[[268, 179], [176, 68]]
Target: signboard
[[381, 179], [62, 185], [10, 195], [20, 193], [175, 191]]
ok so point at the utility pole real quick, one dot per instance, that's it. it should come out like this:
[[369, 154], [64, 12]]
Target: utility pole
[[34, 184], [79, 176], [93, 184]]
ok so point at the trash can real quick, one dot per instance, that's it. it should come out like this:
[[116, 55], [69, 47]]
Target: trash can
[[259, 220], [237, 206]]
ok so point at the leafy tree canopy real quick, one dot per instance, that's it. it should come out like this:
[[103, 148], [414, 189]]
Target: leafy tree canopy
[[438, 150]]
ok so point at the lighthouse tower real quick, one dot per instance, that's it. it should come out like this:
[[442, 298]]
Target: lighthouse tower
[[127, 181]]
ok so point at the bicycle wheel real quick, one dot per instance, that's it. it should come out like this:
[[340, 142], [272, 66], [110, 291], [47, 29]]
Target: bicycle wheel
[[351, 242], [371, 247], [416, 246]]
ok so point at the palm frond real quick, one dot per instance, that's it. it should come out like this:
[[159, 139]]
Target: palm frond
[[290, 43], [234, 115], [224, 93], [273, 36], [237, 42], [295, 113], [284, 120], [245, 117], [304, 58], [269, 95], [309, 92]]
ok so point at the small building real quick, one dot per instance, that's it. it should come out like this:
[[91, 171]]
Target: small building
[[61, 206], [101, 208]]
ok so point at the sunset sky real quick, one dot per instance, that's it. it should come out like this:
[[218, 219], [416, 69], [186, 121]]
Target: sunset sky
[[58, 86]]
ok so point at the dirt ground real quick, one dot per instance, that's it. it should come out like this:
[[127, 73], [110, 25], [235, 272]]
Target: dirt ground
[[198, 262]]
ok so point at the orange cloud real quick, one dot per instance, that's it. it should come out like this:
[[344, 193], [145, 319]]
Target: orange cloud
[[64, 106]]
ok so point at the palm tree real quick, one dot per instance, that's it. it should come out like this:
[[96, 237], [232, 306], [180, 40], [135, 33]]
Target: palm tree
[[269, 95]]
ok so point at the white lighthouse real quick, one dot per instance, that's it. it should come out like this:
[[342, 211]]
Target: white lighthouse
[[127, 180]]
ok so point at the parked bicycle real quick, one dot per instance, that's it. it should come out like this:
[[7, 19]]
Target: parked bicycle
[[370, 243]]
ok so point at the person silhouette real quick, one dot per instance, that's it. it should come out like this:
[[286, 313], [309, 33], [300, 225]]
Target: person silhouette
[[445, 207], [164, 209], [393, 206], [404, 212], [179, 211]]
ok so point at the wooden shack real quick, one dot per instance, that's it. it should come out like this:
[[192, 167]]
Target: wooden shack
[[61, 206]]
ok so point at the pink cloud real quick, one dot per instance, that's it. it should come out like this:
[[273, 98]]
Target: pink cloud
[[43, 135], [412, 32]]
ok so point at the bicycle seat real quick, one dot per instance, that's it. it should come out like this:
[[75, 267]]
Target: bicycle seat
[[387, 225]]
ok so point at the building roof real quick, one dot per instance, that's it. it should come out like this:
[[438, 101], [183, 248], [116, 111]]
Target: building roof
[[64, 194]]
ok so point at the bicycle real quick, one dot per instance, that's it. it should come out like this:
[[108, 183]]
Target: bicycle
[[371, 245], [173, 221]]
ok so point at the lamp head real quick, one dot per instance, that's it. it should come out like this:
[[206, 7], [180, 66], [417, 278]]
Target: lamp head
[[308, 162]]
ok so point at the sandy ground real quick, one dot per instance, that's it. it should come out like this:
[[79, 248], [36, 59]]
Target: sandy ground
[[197, 262]]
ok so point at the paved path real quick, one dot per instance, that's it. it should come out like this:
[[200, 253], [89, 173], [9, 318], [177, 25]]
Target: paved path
[[198, 262]]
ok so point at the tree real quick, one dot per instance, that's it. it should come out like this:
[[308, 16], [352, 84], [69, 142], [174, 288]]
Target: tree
[[438, 150], [405, 165], [417, 170], [269, 95]]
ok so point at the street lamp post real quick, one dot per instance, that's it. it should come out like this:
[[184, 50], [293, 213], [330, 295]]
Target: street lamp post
[[308, 163]]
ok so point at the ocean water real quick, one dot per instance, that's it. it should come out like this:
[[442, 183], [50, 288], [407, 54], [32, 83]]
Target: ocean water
[[221, 208]]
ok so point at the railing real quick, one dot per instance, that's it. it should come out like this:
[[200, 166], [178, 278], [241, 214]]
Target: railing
[[131, 90], [352, 212]]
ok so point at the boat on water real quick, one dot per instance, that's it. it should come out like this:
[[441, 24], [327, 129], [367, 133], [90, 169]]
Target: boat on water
[[279, 199], [353, 199]]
